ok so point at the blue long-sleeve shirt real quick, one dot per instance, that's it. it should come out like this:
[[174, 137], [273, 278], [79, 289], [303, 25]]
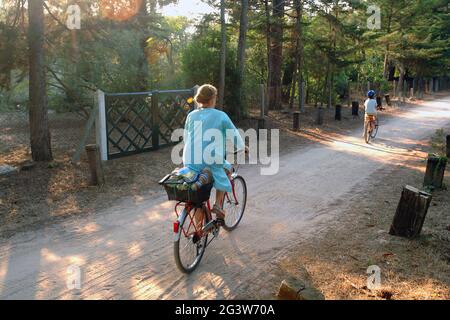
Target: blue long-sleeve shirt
[[205, 137]]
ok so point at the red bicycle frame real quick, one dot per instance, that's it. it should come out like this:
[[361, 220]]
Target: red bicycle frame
[[191, 209]]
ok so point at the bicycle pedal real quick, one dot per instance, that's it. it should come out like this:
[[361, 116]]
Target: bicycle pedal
[[211, 224]]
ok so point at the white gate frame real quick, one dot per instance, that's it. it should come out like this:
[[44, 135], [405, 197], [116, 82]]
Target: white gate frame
[[100, 126]]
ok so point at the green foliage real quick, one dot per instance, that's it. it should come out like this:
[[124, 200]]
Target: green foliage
[[200, 64], [117, 56]]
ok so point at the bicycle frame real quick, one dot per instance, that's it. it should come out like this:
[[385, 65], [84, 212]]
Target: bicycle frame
[[189, 209]]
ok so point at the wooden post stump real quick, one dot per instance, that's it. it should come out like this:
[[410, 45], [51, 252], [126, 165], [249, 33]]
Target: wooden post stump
[[296, 120], [411, 211], [379, 102], [338, 114], [95, 165], [395, 88], [448, 146], [434, 174], [319, 116], [355, 108], [261, 123], [388, 99]]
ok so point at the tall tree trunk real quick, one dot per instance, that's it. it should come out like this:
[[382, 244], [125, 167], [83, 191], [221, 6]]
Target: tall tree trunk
[[292, 87], [223, 47], [401, 80], [241, 56], [276, 47], [296, 57], [299, 9], [325, 84], [386, 54], [332, 65], [269, 51], [39, 129]]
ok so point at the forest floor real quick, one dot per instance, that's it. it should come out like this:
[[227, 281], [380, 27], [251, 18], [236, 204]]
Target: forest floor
[[333, 226], [336, 260]]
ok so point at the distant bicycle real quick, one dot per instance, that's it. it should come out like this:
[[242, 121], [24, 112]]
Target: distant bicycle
[[191, 230], [371, 128]]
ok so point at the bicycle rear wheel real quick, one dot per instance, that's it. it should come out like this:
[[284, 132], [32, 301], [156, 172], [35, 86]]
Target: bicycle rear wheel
[[190, 245], [374, 132], [234, 204]]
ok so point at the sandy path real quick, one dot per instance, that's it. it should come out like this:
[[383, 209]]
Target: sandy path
[[126, 251]]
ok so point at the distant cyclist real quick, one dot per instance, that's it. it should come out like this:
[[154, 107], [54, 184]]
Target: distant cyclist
[[371, 109]]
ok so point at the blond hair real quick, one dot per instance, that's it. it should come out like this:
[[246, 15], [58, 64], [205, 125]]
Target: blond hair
[[205, 93]]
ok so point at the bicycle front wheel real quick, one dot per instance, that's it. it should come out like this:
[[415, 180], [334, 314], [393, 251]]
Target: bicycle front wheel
[[190, 244], [234, 204], [367, 133]]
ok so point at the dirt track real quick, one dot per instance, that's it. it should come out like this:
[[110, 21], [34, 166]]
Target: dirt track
[[126, 251]]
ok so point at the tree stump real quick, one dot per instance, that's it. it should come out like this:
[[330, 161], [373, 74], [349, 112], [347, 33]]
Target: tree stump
[[319, 116], [261, 123], [379, 102], [434, 174], [338, 114], [296, 120], [95, 165], [411, 211], [388, 99], [448, 146], [355, 108]]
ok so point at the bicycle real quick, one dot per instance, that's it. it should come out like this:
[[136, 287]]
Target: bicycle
[[371, 128], [191, 232]]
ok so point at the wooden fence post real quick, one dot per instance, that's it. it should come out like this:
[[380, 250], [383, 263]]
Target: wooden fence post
[[411, 211], [388, 99], [95, 164], [338, 113], [296, 120], [379, 102], [434, 174], [319, 116], [355, 109], [155, 119], [448, 146]]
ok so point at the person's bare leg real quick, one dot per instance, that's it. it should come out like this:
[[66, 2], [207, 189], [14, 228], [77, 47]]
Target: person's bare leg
[[198, 217], [220, 195]]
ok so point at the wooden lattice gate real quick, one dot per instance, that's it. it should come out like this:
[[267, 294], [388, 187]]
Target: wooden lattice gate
[[141, 121]]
